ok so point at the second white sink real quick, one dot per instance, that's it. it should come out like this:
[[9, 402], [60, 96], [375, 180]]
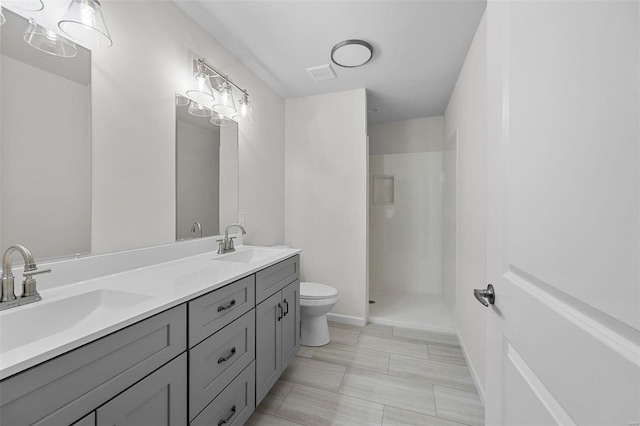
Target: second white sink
[[43, 319]]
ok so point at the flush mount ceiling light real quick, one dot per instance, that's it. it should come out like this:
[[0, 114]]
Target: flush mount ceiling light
[[351, 53], [47, 41], [84, 23]]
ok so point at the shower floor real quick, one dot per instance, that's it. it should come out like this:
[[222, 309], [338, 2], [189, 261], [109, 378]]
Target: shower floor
[[410, 310]]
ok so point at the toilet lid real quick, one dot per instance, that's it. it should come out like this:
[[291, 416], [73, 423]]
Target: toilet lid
[[316, 291]]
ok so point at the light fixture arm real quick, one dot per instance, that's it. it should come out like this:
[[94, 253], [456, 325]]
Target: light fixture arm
[[199, 65]]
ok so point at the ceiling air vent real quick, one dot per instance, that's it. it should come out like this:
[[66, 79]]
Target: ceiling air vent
[[323, 72]]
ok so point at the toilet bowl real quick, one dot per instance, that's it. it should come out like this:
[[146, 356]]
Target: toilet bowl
[[316, 300]]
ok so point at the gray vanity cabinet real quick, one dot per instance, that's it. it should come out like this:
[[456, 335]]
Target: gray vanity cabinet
[[67, 388], [160, 399], [205, 362], [277, 336]]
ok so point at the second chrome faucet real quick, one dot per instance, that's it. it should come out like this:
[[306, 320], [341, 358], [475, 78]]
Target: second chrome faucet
[[226, 245]]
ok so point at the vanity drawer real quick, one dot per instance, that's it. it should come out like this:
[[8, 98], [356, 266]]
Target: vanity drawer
[[211, 312], [215, 362], [276, 277], [236, 403], [66, 388]]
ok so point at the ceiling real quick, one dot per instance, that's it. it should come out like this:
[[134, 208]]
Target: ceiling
[[419, 47]]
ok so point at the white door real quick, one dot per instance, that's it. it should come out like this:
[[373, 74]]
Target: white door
[[563, 343]]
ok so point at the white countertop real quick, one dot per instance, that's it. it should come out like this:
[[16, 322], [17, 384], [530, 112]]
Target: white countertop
[[77, 313]]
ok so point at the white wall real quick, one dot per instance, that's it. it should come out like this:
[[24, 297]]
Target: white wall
[[416, 135], [467, 112], [198, 187], [133, 123], [326, 193], [405, 246], [450, 222], [46, 183]]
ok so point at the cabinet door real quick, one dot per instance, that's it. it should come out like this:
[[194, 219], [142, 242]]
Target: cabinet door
[[290, 323], [157, 400], [268, 344]]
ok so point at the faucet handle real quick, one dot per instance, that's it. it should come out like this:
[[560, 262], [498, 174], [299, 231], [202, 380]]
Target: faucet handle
[[30, 273], [29, 283]]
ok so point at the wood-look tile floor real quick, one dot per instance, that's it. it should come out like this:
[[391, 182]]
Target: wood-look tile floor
[[375, 375]]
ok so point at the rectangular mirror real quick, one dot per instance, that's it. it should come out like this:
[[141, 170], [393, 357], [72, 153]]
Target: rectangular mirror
[[45, 147], [206, 188]]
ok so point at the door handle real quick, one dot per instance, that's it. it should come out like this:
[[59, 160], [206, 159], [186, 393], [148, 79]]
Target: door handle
[[488, 294], [286, 307], [281, 311]]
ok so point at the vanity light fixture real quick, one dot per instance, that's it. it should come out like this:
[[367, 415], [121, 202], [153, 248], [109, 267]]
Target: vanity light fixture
[[201, 90], [223, 102], [199, 110], [48, 41], [351, 53], [244, 110], [83, 22]]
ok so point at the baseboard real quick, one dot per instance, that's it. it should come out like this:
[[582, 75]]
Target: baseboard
[[346, 319], [474, 374]]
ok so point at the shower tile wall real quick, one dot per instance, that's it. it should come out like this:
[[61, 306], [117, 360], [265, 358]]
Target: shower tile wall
[[406, 236]]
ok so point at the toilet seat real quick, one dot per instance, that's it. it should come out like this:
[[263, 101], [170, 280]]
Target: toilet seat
[[316, 291]]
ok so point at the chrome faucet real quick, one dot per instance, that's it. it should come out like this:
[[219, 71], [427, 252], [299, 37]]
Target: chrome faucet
[[197, 227], [226, 245], [8, 298]]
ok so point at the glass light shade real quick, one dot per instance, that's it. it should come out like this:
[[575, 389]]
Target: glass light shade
[[225, 104], [48, 41], [199, 110], [201, 90], [182, 101], [220, 120], [244, 114], [2, 18], [84, 23], [31, 5]]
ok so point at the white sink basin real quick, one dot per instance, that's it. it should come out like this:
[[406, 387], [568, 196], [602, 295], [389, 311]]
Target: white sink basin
[[43, 319], [249, 255]]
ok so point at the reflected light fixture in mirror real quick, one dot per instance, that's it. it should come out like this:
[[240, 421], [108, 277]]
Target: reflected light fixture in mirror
[[2, 18], [30, 5], [48, 41], [220, 120], [225, 104], [83, 22], [182, 101], [199, 110]]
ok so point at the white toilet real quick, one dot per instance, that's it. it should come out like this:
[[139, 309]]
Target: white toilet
[[316, 300]]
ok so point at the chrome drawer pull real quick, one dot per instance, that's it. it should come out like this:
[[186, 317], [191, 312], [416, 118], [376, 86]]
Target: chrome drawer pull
[[226, 420], [226, 358], [230, 305]]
